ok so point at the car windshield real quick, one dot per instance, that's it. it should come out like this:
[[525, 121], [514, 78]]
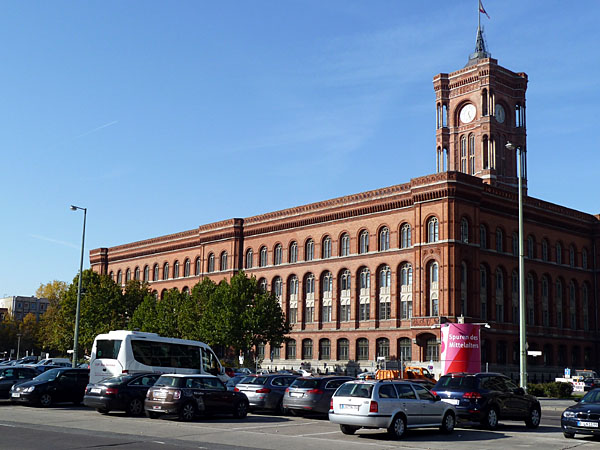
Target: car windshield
[[305, 383], [168, 381], [255, 380], [116, 380], [460, 383], [235, 380], [591, 397], [354, 390], [48, 375]]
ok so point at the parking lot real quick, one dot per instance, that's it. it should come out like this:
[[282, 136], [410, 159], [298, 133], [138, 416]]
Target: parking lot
[[70, 427]]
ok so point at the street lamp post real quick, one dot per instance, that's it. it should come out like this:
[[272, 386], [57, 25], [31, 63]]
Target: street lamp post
[[522, 337], [76, 337], [18, 343]]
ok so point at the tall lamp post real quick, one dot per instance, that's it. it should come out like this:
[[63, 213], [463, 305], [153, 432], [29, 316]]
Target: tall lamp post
[[522, 338], [76, 337], [18, 343]]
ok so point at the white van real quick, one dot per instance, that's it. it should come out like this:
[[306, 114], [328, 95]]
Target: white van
[[123, 351]]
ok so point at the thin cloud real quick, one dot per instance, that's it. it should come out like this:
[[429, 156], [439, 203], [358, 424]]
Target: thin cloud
[[86, 133], [56, 241]]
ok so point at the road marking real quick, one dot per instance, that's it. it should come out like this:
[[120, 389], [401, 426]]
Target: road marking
[[318, 434], [5, 425]]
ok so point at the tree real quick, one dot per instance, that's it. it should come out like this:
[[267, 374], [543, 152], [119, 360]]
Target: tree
[[52, 291]]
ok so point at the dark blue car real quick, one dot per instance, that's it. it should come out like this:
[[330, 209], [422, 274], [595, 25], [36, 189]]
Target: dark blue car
[[583, 417]]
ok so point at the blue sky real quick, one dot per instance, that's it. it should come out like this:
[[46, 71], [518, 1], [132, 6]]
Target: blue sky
[[163, 116]]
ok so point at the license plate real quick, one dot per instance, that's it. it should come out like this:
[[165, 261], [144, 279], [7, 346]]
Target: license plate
[[95, 390], [16, 394], [296, 394], [353, 407], [581, 423], [160, 394], [452, 401]]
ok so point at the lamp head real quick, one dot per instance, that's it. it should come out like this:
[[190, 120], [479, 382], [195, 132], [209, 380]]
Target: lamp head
[[510, 146], [73, 208]]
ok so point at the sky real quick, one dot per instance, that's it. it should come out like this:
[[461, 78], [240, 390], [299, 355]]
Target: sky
[[161, 116]]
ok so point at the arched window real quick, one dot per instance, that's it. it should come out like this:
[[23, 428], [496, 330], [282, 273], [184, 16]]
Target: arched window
[[278, 287], [405, 349], [559, 304], [584, 259], [223, 265], [185, 290], [127, 275], [363, 242], [463, 154], [383, 348], [166, 271], [433, 289], [432, 350], [119, 277], [464, 287], [186, 268], [176, 269], [471, 154], [558, 253], [499, 295], [515, 244], [362, 349], [326, 248], [263, 285], [111, 275], [307, 349], [545, 302], [290, 351], [136, 274], [343, 349], [405, 237], [530, 247], [263, 256], [197, 266], [293, 299], [483, 236], [585, 304], [146, 273], [364, 311], [345, 245], [155, 273], [324, 349], [572, 306], [309, 250], [384, 239], [344, 306], [249, 258], [211, 263], [293, 252], [499, 240], [278, 255], [464, 230], [163, 293], [544, 250], [483, 290], [406, 287], [309, 298], [433, 230], [572, 256], [385, 281], [326, 296]]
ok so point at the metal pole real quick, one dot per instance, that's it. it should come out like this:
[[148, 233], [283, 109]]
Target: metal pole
[[76, 337], [522, 325], [18, 344]]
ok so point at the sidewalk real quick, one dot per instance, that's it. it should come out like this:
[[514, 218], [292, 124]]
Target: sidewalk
[[555, 404]]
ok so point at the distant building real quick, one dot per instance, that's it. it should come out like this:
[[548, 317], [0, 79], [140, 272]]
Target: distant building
[[18, 306], [375, 274]]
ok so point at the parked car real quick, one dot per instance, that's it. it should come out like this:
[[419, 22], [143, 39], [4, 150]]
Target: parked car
[[44, 368], [488, 398], [189, 395], [122, 393], [9, 376], [65, 362], [392, 404], [234, 381], [312, 393], [583, 417], [54, 386], [266, 391]]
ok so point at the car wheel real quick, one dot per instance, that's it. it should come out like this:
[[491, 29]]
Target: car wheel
[[398, 427], [448, 423], [187, 412], [295, 412], [569, 435], [152, 414], [135, 407], [240, 410], [347, 429], [102, 410], [281, 410], [490, 419], [45, 400], [533, 419]]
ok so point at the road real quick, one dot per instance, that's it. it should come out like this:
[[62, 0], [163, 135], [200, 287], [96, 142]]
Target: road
[[72, 427]]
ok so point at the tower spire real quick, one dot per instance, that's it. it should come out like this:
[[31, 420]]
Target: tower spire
[[480, 49]]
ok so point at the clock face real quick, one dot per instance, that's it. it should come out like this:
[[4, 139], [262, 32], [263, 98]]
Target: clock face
[[467, 113], [500, 116]]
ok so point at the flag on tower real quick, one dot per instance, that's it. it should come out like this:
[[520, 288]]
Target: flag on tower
[[482, 9]]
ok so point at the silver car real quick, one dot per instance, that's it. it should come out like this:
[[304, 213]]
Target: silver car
[[312, 393], [394, 405], [265, 391]]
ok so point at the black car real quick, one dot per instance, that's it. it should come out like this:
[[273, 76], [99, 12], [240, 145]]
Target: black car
[[488, 398], [583, 417], [122, 393], [57, 385], [12, 375]]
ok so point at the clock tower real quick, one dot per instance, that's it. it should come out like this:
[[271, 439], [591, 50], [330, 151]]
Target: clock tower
[[480, 108]]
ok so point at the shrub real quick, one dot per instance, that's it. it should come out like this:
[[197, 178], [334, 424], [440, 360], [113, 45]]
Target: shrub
[[558, 389], [536, 389]]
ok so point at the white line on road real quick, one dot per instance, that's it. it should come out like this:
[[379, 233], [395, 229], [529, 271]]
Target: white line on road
[[5, 425]]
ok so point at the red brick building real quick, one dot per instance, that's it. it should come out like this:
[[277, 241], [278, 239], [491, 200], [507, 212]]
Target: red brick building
[[376, 273]]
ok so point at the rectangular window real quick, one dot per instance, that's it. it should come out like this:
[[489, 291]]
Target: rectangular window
[[107, 348]]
